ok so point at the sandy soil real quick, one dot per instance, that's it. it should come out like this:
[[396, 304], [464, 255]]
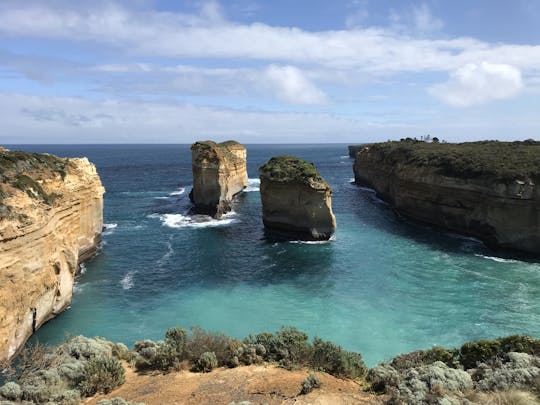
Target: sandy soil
[[260, 384]]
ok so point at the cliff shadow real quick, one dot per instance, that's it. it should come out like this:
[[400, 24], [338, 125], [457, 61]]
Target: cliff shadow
[[375, 212]]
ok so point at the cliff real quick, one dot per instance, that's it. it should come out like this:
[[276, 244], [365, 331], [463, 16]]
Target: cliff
[[50, 221], [484, 189], [219, 172], [354, 149], [296, 199]]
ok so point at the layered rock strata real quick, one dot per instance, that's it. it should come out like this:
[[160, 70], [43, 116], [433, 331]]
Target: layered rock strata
[[51, 217], [484, 189], [219, 173], [296, 200]]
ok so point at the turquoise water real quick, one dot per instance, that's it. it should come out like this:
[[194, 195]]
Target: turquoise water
[[384, 285]]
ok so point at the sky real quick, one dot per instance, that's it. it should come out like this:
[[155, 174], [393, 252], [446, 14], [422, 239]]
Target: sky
[[296, 71]]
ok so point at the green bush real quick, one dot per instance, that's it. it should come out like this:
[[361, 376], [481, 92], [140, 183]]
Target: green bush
[[101, 374], [11, 391], [337, 361], [289, 347], [424, 357], [117, 401], [309, 384], [176, 339], [289, 168], [206, 362]]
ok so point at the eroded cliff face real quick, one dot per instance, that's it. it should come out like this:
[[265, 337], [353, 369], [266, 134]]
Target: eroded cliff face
[[296, 200], [51, 218], [219, 173], [503, 211]]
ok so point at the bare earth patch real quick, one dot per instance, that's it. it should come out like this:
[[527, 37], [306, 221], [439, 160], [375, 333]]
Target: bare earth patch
[[260, 384]]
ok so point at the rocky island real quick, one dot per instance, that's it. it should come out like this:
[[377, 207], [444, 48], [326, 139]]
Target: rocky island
[[488, 190], [219, 173], [296, 199], [51, 218]]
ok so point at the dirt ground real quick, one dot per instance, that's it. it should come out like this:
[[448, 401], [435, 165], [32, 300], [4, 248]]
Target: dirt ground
[[260, 384]]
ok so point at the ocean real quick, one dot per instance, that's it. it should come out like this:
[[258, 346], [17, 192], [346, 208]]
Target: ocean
[[383, 286]]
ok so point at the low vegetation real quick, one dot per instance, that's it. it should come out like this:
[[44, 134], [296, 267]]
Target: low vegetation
[[290, 168], [499, 371], [509, 367], [23, 170], [503, 160]]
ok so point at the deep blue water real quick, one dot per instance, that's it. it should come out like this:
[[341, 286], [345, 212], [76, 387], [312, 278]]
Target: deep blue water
[[384, 285]]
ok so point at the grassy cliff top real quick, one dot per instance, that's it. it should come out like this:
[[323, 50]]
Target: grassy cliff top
[[290, 168], [212, 150], [22, 171], [503, 160]]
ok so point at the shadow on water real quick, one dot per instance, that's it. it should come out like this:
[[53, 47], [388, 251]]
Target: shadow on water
[[381, 215]]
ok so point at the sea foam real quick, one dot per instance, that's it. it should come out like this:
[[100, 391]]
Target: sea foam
[[196, 221], [253, 185]]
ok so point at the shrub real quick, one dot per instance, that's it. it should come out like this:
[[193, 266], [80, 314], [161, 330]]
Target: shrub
[[309, 384], [11, 390], [425, 357], [289, 168], [101, 374], [176, 339], [520, 370], [289, 347], [337, 361], [512, 397], [201, 341], [206, 362], [382, 377], [121, 351]]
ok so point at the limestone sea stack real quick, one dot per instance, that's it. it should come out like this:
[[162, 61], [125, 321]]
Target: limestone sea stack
[[219, 173], [488, 190], [51, 218], [296, 200]]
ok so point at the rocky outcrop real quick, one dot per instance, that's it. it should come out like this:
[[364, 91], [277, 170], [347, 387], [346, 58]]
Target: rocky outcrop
[[484, 189], [296, 199], [51, 212], [219, 173], [354, 149]]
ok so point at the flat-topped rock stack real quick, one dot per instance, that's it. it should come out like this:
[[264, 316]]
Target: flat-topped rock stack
[[219, 173], [51, 218], [296, 200]]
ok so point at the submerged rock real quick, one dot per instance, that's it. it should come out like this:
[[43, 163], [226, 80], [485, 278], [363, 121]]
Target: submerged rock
[[219, 172], [296, 199]]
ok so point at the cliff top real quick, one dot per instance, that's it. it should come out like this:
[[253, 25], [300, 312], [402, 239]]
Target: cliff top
[[503, 160], [213, 150], [25, 171], [288, 168]]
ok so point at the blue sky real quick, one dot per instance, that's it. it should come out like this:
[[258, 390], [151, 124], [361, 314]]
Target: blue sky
[[268, 71]]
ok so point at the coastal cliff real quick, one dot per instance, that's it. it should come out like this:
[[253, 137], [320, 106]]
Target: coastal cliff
[[296, 199], [354, 149], [483, 189], [51, 217], [219, 172]]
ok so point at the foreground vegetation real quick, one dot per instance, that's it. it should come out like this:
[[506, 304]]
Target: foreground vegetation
[[502, 371], [503, 160], [288, 168]]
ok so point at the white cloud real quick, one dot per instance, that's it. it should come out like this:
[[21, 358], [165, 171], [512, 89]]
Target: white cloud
[[207, 35], [291, 85], [479, 83]]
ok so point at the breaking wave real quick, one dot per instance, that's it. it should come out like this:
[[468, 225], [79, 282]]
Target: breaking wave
[[253, 185]]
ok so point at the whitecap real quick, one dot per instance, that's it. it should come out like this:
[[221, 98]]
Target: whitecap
[[344, 157], [127, 280], [180, 191], [253, 185], [109, 228], [82, 268], [352, 180], [314, 242], [196, 221], [498, 259]]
